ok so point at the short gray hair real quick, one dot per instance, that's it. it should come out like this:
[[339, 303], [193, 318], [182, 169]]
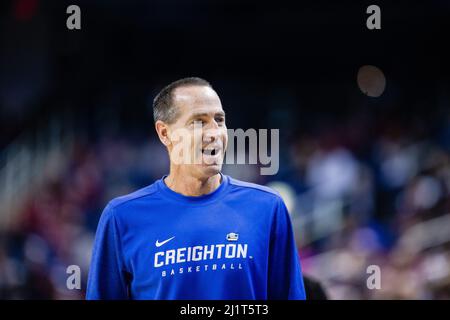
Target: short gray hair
[[163, 107]]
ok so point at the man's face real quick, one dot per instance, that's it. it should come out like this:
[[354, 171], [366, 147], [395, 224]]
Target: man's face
[[199, 135]]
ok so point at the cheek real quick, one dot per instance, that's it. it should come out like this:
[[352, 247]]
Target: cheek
[[182, 138], [225, 138], [196, 140]]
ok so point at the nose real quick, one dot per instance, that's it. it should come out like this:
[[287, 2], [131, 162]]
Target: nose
[[211, 132], [210, 135]]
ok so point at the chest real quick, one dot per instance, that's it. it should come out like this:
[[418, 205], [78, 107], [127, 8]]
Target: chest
[[197, 240]]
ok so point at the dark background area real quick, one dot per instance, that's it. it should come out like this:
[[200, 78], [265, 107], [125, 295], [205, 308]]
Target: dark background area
[[251, 51]]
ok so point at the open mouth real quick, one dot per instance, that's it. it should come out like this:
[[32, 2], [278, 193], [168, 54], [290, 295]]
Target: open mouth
[[211, 151]]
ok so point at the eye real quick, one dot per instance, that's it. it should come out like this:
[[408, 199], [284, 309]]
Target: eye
[[220, 119]]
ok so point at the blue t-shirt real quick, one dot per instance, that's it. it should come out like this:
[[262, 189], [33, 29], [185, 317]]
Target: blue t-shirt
[[231, 244]]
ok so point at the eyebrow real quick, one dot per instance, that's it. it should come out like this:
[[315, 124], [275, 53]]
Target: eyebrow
[[203, 114]]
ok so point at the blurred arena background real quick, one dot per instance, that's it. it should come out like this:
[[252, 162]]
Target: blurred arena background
[[367, 179]]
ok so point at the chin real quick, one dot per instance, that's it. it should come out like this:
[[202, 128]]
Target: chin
[[211, 170]]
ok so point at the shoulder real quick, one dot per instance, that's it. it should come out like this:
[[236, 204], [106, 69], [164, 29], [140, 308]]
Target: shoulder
[[258, 190], [134, 198]]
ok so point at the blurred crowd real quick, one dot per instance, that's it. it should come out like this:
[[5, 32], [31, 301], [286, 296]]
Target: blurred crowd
[[387, 207], [352, 206]]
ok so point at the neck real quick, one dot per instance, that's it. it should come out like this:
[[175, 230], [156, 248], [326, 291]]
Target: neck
[[191, 186]]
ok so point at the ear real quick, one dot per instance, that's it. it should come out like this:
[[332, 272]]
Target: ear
[[163, 132]]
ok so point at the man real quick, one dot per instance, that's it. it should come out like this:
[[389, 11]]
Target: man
[[196, 233]]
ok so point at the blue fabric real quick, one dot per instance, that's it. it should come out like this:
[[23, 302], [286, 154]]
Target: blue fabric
[[234, 243]]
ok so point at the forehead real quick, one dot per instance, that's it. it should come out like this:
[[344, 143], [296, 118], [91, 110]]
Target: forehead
[[194, 99]]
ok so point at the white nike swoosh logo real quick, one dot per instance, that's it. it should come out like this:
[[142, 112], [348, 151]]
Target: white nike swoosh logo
[[159, 244]]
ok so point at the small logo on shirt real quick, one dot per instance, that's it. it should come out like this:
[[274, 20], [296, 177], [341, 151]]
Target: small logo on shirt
[[232, 236], [159, 244]]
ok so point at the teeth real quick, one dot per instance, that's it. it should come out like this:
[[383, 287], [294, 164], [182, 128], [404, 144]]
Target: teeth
[[210, 151]]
